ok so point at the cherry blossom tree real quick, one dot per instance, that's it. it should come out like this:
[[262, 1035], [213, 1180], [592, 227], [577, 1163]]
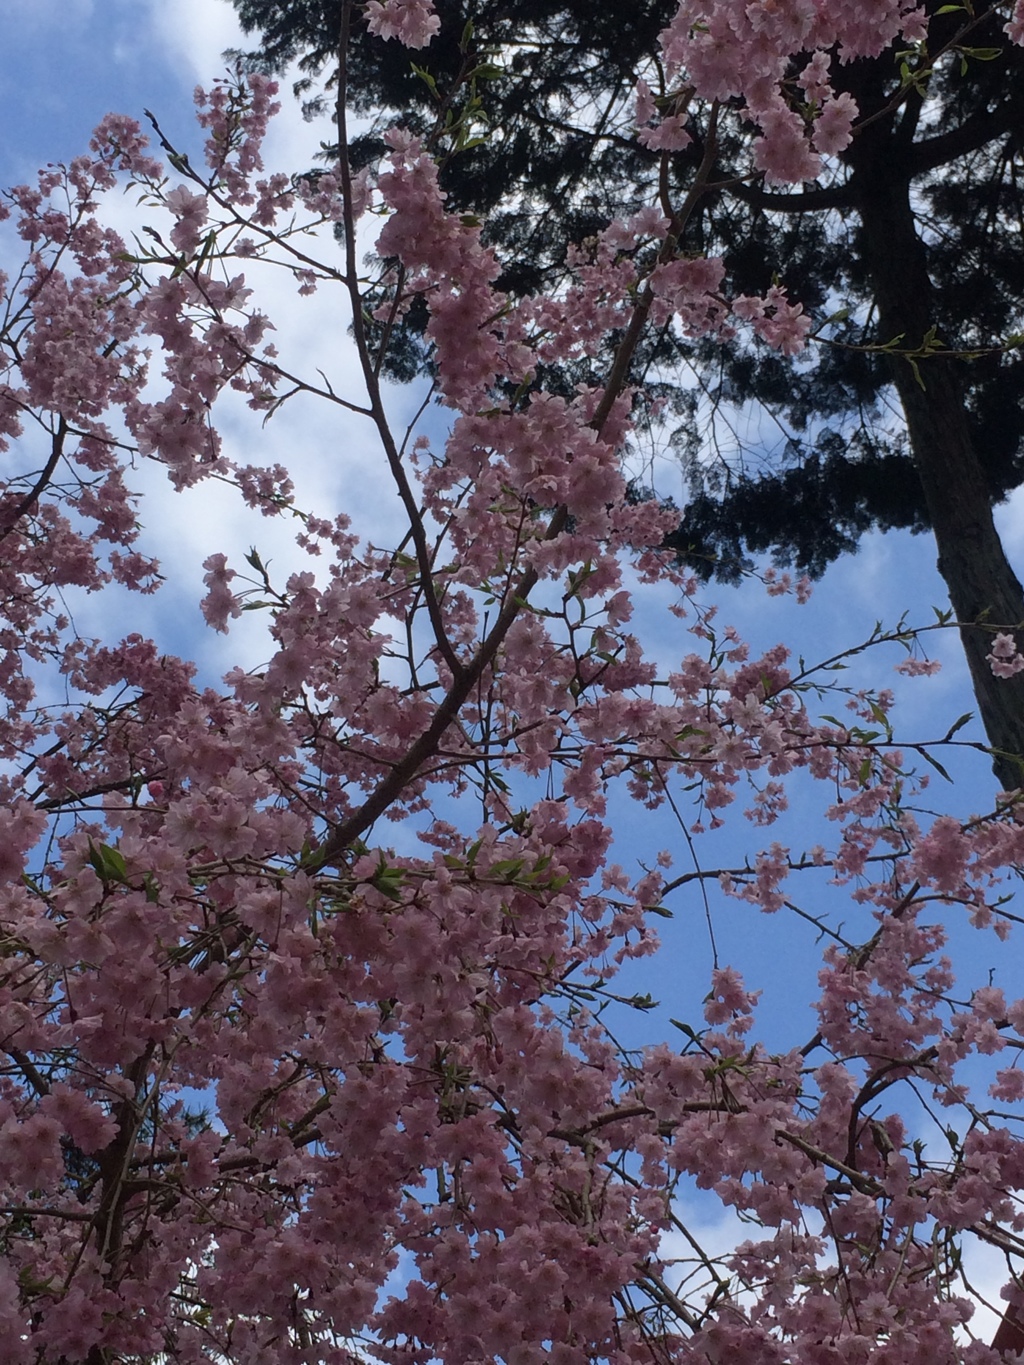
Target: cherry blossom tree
[[275, 1091]]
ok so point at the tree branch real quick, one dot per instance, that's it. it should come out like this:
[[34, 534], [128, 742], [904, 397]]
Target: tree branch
[[933, 152], [466, 677], [46, 474]]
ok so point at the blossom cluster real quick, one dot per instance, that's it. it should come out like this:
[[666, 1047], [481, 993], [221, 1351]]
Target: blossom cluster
[[283, 1081], [733, 49], [1005, 657], [412, 22]]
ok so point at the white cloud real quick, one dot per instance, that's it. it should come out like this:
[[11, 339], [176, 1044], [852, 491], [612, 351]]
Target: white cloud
[[195, 34]]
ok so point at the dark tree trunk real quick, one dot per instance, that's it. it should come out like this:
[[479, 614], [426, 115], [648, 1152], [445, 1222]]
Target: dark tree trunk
[[983, 589], [1009, 1337]]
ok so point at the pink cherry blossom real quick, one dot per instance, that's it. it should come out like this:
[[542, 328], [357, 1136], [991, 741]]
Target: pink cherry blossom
[[220, 602], [313, 979], [833, 126], [775, 319], [412, 22], [1005, 658], [191, 211]]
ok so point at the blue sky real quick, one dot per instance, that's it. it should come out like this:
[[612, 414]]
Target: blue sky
[[68, 62], [65, 64]]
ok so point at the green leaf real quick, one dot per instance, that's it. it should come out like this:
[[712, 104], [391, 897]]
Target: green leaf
[[425, 77], [207, 251], [310, 859], [388, 881], [642, 1002], [936, 765], [958, 724], [108, 863], [506, 870]]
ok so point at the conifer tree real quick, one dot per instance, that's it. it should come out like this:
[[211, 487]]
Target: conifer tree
[[907, 239]]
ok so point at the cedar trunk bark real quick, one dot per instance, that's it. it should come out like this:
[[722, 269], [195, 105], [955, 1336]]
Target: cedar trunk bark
[[984, 591]]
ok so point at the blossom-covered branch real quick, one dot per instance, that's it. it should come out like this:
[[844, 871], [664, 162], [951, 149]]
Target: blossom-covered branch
[[275, 1089]]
